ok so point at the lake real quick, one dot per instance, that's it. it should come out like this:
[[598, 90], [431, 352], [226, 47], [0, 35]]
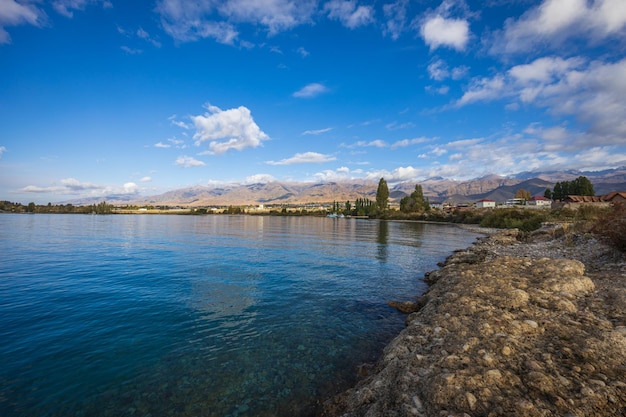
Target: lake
[[168, 315]]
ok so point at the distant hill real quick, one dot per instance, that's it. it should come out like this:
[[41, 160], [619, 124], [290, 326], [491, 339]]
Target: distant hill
[[491, 187]]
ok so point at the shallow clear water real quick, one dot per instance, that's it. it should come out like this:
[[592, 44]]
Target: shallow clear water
[[199, 315]]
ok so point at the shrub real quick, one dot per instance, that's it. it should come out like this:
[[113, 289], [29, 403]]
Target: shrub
[[612, 226], [524, 220]]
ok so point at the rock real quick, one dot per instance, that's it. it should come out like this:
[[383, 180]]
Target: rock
[[406, 307], [506, 328]]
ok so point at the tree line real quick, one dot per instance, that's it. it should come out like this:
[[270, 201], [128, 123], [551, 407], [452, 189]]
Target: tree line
[[579, 186], [100, 208]]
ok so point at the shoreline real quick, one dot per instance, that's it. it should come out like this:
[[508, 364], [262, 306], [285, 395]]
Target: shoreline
[[533, 328]]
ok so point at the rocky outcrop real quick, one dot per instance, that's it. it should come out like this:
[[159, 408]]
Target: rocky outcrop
[[507, 329]]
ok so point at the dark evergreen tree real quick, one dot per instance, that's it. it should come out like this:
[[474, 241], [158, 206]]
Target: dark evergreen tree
[[382, 195]]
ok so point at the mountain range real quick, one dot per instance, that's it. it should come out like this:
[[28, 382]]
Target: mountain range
[[439, 189]]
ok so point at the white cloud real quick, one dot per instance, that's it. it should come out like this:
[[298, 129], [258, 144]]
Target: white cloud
[[162, 145], [141, 33], [397, 175], [227, 129], [69, 186], [397, 126], [378, 143], [483, 89], [276, 15], [130, 188], [408, 142], [304, 158], [438, 70], [145, 179], [317, 132], [395, 13], [439, 31], [259, 179], [2, 150], [67, 7], [131, 51], [303, 52], [311, 90], [591, 92], [349, 14], [75, 185], [188, 162], [329, 175], [175, 122], [13, 13], [188, 21], [554, 22]]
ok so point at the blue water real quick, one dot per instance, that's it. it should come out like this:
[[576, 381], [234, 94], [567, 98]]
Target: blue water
[[150, 315]]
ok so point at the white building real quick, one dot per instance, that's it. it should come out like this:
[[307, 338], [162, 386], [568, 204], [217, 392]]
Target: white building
[[484, 203]]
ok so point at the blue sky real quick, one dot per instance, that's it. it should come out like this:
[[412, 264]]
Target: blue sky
[[103, 97]]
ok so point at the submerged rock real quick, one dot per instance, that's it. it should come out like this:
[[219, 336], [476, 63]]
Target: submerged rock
[[500, 335]]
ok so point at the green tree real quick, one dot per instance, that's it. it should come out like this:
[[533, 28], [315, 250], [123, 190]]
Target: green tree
[[583, 186], [416, 202], [382, 195], [30, 208], [547, 193], [579, 186]]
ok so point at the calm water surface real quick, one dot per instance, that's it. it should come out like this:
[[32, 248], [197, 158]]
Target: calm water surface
[[151, 315]]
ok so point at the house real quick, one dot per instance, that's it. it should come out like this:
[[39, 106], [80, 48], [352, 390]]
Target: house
[[484, 203], [539, 201], [615, 197], [576, 201], [438, 205]]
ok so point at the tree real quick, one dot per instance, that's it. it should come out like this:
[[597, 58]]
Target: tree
[[580, 186], [30, 208], [583, 186], [547, 193], [416, 202], [382, 195], [523, 194]]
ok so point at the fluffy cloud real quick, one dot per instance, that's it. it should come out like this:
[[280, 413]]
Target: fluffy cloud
[[74, 187], [591, 92], [329, 175], [311, 90], [439, 31], [349, 14], [304, 158], [188, 162], [554, 22], [15, 14], [397, 175], [227, 129], [68, 186], [259, 179], [146, 179]]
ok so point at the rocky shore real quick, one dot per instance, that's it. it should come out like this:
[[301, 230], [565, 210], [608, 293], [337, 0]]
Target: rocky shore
[[507, 328]]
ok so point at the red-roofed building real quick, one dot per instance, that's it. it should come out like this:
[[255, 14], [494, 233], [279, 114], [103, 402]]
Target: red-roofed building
[[484, 203]]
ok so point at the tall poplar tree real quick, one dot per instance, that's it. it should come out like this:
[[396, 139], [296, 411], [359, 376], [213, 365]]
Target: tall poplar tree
[[382, 195]]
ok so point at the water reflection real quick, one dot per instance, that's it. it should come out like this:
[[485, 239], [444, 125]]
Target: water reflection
[[382, 238]]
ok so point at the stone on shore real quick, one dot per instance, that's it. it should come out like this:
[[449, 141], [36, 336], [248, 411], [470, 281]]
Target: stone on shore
[[504, 335]]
